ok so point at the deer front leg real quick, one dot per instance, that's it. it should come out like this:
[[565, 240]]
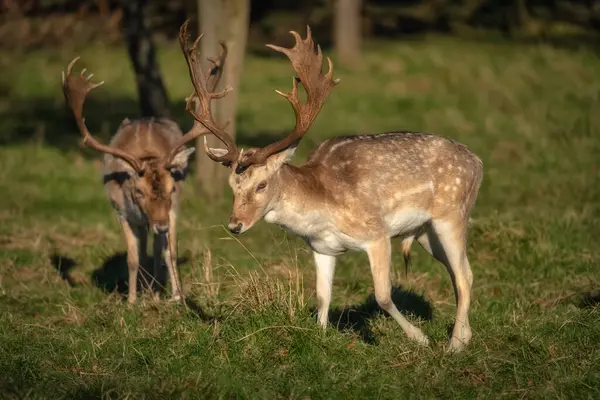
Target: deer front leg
[[171, 258], [133, 257], [325, 268], [380, 258]]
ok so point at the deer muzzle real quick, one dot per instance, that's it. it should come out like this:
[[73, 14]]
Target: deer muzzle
[[160, 227], [237, 226]]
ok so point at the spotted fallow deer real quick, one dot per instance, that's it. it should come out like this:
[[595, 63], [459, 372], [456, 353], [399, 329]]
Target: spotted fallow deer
[[143, 170], [353, 192]]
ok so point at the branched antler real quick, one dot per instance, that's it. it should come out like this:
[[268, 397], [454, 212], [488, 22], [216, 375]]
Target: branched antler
[[308, 66], [205, 84], [76, 89]]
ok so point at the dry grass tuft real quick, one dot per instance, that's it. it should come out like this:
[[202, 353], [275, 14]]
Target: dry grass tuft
[[259, 292]]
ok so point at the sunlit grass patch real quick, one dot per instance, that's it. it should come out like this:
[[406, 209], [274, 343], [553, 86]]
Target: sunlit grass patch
[[248, 327]]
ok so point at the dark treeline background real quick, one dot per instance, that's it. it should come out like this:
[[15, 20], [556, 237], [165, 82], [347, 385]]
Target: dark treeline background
[[50, 22]]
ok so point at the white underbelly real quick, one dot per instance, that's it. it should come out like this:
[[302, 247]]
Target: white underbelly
[[322, 235], [333, 243], [406, 221]]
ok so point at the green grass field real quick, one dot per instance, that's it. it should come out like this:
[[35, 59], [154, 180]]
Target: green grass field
[[531, 112]]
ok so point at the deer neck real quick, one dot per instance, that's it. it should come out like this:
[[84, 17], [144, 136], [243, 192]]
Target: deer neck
[[298, 204]]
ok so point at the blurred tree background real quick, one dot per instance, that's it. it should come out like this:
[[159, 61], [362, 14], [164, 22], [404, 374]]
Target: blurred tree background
[[246, 26], [45, 22]]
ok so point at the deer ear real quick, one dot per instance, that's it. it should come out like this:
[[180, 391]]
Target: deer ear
[[180, 160], [276, 160]]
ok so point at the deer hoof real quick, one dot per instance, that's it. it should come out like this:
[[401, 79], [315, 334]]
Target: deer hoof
[[459, 340], [419, 337], [175, 298], [455, 346]]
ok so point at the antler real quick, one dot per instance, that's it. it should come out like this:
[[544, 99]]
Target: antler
[[212, 81], [75, 89], [308, 66], [204, 86]]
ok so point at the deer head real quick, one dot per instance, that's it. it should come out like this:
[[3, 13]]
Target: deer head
[[254, 174], [151, 182], [153, 187]]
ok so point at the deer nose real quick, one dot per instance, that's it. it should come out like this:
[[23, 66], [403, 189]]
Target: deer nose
[[235, 228], [161, 229]]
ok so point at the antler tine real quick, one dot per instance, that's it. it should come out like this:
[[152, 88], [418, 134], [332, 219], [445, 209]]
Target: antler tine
[[75, 90], [308, 65], [204, 92], [216, 71]]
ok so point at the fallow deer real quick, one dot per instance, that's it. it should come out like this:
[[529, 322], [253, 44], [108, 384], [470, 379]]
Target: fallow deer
[[144, 168], [353, 192]]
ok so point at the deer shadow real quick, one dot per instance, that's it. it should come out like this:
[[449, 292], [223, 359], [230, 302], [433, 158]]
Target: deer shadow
[[113, 275], [356, 318], [590, 299], [64, 265]]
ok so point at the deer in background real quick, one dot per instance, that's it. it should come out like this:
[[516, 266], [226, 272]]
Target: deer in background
[[144, 168], [353, 192]]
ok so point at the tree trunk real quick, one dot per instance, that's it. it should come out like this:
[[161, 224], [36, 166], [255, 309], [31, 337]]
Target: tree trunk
[[208, 177], [347, 31], [138, 35], [235, 15], [522, 14], [235, 35], [103, 8]]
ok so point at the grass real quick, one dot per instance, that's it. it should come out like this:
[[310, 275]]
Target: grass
[[529, 111]]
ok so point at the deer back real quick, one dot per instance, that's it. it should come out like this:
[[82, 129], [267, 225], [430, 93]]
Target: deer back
[[147, 138], [368, 178]]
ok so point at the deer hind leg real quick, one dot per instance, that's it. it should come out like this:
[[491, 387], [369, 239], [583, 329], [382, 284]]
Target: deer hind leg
[[325, 268], [380, 258], [171, 258], [132, 238], [446, 241]]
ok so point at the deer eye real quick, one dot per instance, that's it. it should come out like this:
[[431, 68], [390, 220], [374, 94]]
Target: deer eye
[[261, 186]]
